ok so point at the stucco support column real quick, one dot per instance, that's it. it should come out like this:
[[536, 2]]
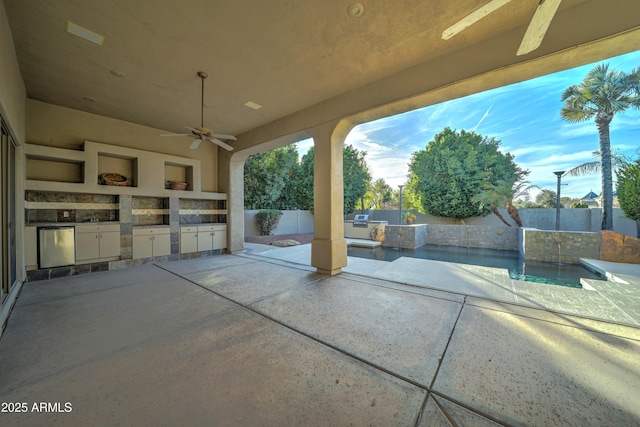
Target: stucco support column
[[231, 181], [328, 248], [235, 207]]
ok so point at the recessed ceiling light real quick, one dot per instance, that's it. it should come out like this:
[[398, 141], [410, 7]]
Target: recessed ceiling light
[[88, 98], [117, 73], [253, 105], [355, 10], [84, 33]]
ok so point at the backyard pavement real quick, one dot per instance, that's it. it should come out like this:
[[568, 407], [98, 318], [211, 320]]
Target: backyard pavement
[[261, 339]]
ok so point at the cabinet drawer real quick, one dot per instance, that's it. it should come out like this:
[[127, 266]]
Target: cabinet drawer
[[217, 227], [97, 228], [188, 229], [151, 231]]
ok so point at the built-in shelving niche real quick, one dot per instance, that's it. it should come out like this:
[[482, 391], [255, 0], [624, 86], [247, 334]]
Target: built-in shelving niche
[[41, 168], [175, 172], [149, 210], [202, 211], [123, 165]]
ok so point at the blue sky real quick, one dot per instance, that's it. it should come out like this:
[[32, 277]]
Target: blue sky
[[525, 117]]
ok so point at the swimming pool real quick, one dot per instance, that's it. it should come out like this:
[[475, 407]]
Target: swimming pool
[[531, 271]]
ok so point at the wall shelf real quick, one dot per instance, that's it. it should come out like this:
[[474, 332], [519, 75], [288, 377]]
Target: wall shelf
[[123, 165], [147, 171], [42, 168], [178, 173]]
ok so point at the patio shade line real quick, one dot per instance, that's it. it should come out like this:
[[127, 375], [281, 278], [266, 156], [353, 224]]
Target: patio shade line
[[316, 339], [404, 284]]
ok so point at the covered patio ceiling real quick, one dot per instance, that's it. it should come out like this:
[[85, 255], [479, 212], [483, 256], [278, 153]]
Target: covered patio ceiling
[[307, 59]]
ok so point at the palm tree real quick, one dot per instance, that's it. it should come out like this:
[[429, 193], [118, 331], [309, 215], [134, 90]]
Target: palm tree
[[601, 95], [503, 193], [379, 194], [618, 160]]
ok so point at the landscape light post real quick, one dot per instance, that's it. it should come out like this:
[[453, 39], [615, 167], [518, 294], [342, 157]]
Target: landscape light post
[[400, 186], [559, 175]]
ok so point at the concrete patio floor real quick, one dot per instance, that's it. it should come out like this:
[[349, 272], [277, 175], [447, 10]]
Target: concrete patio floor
[[256, 339]]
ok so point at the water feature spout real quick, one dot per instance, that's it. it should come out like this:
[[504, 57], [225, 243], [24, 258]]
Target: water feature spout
[[398, 238], [558, 241]]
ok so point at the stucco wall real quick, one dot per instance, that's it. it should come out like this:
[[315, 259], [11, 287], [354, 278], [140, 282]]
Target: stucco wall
[[291, 222], [13, 94], [61, 127]]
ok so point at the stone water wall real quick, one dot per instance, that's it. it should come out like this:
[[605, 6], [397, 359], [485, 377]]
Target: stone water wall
[[473, 236], [558, 246], [405, 236]]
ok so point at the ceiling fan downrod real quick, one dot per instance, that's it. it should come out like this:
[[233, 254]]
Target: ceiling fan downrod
[[203, 76]]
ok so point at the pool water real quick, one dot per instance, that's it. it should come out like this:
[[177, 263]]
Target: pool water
[[531, 271]]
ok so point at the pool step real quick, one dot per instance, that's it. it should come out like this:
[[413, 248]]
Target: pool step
[[361, 243]]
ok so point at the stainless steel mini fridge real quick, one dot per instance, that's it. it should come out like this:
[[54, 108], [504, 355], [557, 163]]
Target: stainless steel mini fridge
[[57, 246]]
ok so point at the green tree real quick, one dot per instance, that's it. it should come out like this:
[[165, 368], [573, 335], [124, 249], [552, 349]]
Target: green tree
[[579, 205], [600, 96], [628, 188], [454, 167], [356, 178], [305, 181], [546, 199], [379, 194], [503, 193], [270, 179]]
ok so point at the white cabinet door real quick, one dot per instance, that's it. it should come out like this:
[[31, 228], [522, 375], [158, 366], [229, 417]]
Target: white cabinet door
[[220, 238], [205, 240], [110, 244], [87, 246], [95, 242], [151, 242], [142, 247], [188, 242], [162, 244]]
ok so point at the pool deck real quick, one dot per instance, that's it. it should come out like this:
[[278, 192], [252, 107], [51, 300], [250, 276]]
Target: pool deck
[[260, 338], [616, 300]]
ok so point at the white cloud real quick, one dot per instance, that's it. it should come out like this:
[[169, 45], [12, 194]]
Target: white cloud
[[524, 116]]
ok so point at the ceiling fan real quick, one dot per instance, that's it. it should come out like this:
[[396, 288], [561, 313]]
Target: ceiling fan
[[202, 133], [534, 34]]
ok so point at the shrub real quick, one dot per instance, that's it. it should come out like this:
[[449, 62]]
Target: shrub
[[409, 217], [268, 220], [579, 205]]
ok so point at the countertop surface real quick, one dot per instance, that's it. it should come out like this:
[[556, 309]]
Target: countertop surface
[[69, 224], [74, 224]]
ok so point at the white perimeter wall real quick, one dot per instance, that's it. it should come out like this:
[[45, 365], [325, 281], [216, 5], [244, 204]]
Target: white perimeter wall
[[291, 222], [298, 222]]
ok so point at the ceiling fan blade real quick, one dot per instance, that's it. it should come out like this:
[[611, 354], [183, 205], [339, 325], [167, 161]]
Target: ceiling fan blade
[[223, 136], [221, 144], [195, 144], [176, 134], [538, 26], [472, 18], [194, 130]]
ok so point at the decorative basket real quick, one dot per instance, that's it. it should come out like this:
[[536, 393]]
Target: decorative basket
[[114, 179], [173, 185]]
